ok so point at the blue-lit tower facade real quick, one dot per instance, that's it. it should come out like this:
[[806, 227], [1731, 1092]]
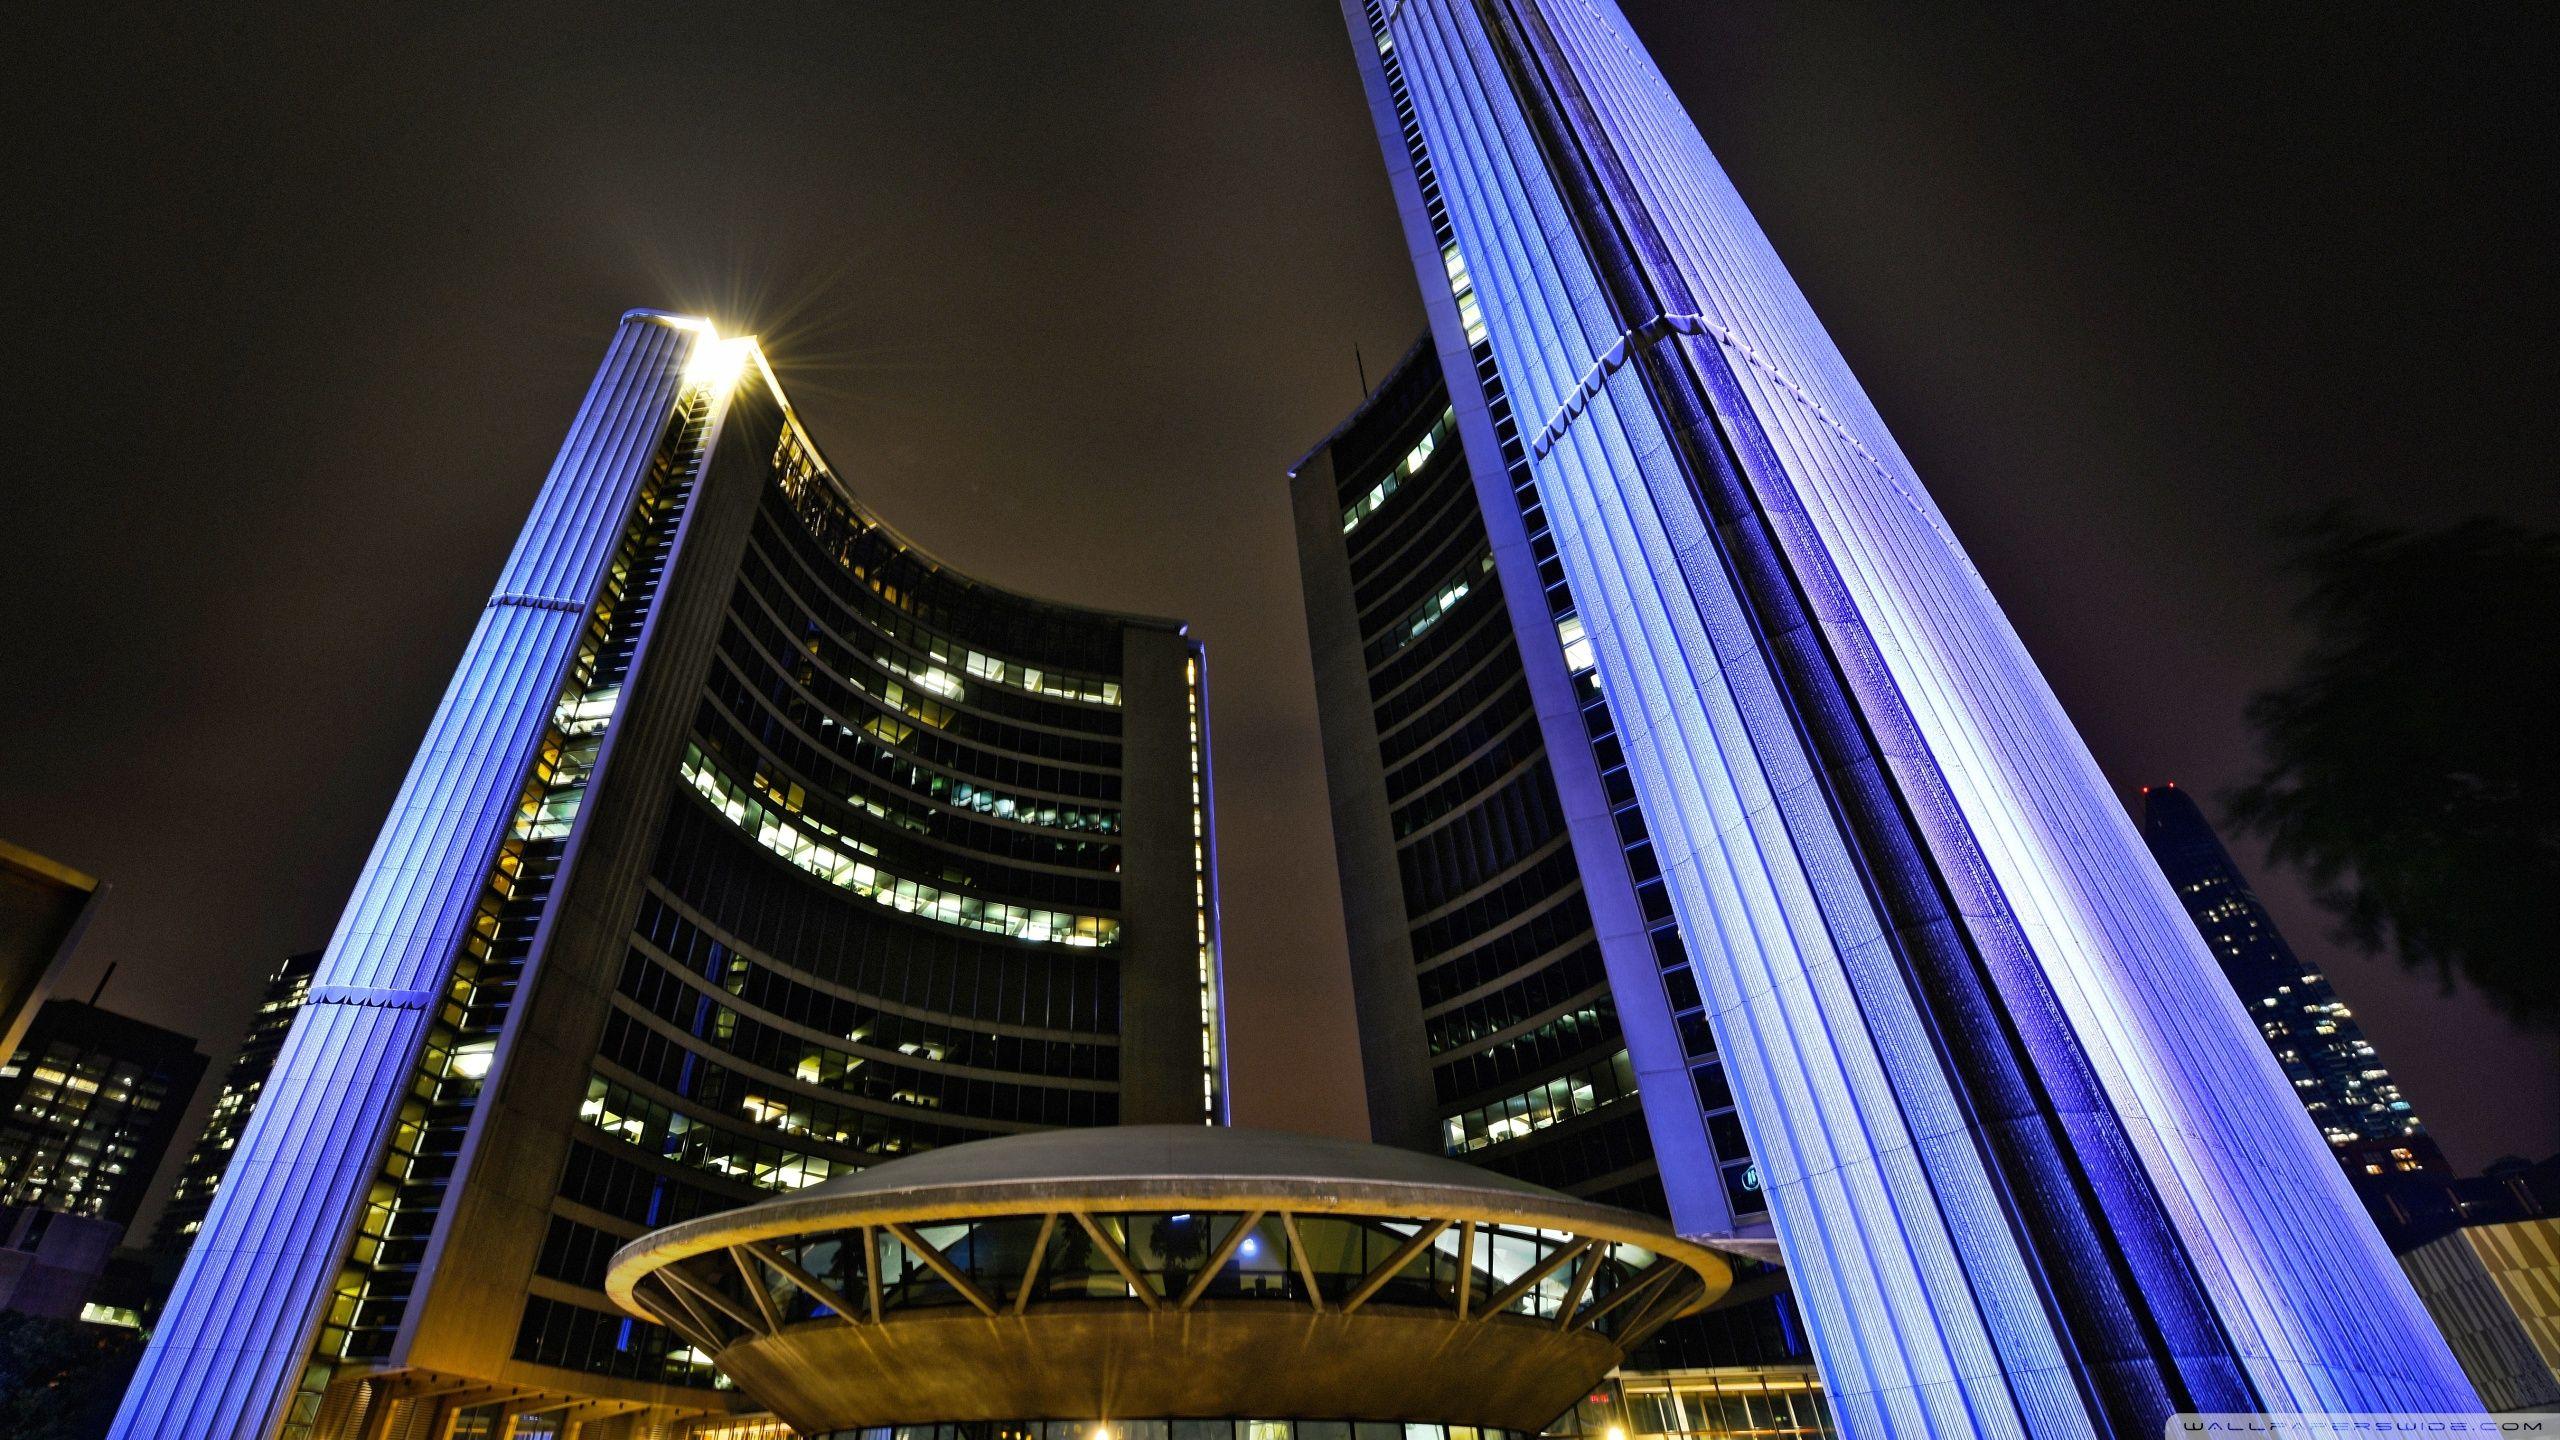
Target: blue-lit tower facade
[[1511, 939], [2030, 1167], [750, 846]]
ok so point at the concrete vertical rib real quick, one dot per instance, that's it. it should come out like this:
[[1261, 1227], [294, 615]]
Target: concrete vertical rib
[[225, 1360], [2028, 1161]]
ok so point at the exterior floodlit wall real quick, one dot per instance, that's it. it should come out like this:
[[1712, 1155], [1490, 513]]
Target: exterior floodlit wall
[[1455, 824], [238, 1327], [1526, 1000], [490, 1238], [2030, 1166], [751, 847]]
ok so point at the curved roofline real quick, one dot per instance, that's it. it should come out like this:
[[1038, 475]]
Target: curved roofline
[[845, 491], [1145, 1151], [1368, 402], [1094, 1170], [1484, 1333]]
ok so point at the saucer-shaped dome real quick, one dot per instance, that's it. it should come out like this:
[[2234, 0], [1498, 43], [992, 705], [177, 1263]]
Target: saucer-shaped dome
[[1158, 1272]]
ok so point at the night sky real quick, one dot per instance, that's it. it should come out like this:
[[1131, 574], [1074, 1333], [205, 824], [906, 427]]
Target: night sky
[[304, 300]]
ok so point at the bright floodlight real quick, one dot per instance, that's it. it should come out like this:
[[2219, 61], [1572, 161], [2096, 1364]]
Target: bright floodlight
[[716, 363]]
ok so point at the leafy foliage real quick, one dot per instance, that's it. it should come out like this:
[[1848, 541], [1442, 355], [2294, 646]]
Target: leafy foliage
[[60, 1379], [2412, 760]]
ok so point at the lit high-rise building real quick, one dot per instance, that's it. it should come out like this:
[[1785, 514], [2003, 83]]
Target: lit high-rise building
[[1510, 927], [88, 1106], [89, 1103], [2030, 1169], [242, 1082], [750, 846], [2345, 1086]]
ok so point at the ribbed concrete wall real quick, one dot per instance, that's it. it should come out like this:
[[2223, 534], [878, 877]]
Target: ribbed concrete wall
[[2029, 1163], [225, 1359]]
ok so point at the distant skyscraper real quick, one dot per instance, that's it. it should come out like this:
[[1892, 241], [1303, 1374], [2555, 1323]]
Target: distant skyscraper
[[88, 1106], [43, 908], [2341, 1082], [750, 846], [2031, 1171], [184, 1214], [1510, 927], [89, 1103]]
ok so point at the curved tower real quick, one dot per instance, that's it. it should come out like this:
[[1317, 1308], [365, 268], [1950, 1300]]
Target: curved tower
[[1526, 1000], [750, 846], [2030, 1166]]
